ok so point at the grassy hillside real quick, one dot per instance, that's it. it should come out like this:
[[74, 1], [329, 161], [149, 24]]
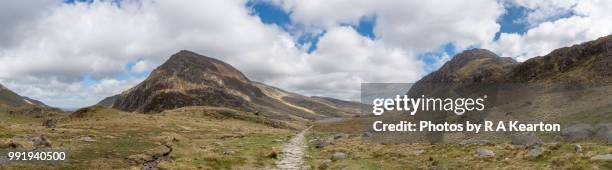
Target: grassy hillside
[[102, 138]]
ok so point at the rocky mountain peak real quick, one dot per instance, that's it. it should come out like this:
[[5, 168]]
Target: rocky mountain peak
[[189, 65], [189, 79]]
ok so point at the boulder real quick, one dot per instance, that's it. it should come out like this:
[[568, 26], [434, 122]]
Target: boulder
[[526, 139], [339, 136], [482, 152], [578, 148], [321, 143], [338, 156], [577, 132], [41, 142], [535, 152], [49, 123]]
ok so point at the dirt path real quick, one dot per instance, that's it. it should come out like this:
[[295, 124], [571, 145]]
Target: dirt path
[[293, 153]]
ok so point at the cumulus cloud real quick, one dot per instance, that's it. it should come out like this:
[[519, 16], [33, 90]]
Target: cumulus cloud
[[102, 38], [48, 47], [415, 25], [591, 20]]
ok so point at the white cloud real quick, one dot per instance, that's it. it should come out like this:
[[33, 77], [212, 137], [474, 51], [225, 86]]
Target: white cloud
[[47, 48], [344, 59], [418, 26], [544, 10], [592, 20]]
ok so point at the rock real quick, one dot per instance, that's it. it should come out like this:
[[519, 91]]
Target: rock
[[366, 134], [87, 139], [605, 157], [338, 155], [577, 132], [49, 123], [228, 152], [40, 142], [418, 152], [535, 152], [320, 143], [325, 164], [525, 139], [339, 136], [578, 148], [482, 152], [474, 142]]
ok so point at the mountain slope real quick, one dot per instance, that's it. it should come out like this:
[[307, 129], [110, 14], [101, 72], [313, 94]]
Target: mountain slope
[[10, 98], [586, 63], [190, 79]]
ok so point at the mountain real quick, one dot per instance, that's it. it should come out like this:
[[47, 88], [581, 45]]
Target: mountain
[[190, 79], [587, 63], [12, 99], [470, 67]]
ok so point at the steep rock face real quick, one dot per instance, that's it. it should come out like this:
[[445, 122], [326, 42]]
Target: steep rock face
[[586, 63], [189, 79]]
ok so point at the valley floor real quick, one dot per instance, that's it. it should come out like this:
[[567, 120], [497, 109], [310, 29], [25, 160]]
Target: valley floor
[[109, 139], [187, 139]]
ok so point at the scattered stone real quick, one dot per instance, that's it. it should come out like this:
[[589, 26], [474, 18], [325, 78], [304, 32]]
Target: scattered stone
[[535, 152], [526, 139], [320, 143], [339, 136], [578, 148], [228, 152], [418, 152], [87, 139], [577, 132], [482, 152], [475, 142], [605, 157], [49, 123], [338, 155], [325, 164], [41, 142]]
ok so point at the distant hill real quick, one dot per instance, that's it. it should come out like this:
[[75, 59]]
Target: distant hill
[[190, 79], [12, 99]]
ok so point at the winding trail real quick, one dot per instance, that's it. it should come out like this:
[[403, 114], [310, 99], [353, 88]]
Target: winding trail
[[293, 152]]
